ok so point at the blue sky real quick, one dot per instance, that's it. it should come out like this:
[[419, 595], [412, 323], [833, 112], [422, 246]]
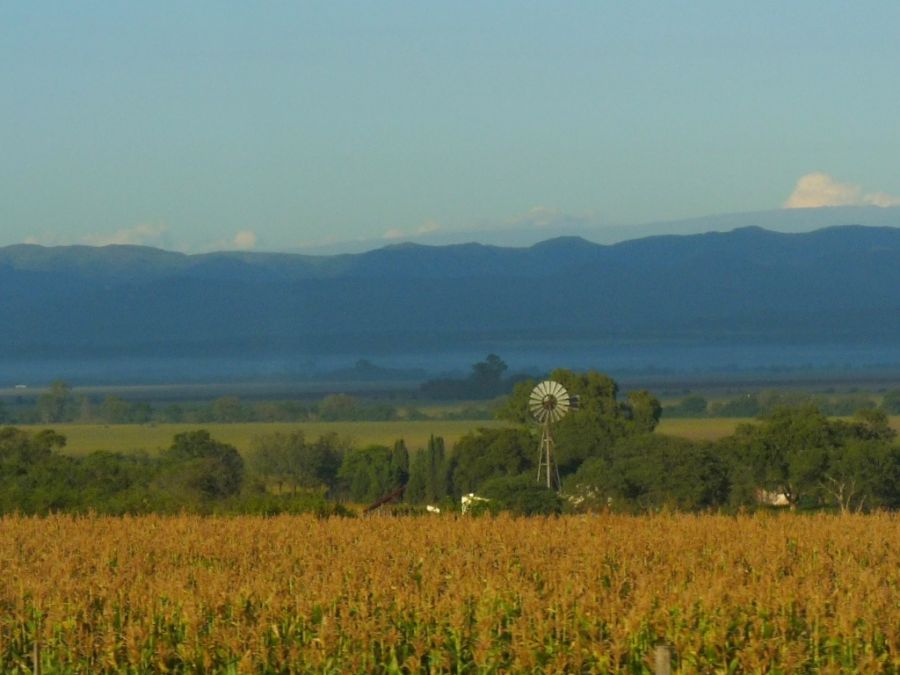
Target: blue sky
[[277, 125]]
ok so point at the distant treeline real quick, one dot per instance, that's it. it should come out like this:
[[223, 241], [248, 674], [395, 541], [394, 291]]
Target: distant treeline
[[766, 402], [62, 404], [487, 380], [608, 455]]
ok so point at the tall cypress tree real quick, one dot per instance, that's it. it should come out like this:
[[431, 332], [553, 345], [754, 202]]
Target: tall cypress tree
[[436, 480], [415, 488], [399, 464]]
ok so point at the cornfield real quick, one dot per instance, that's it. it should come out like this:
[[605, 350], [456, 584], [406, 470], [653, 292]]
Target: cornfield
[[766, 593]]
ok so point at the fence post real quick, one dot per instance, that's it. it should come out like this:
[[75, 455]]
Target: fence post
[[662, 660]]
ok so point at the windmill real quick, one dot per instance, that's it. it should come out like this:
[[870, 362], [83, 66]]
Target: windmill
[[549, 402]]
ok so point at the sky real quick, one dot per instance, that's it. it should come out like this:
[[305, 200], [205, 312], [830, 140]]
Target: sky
[[283, 125]]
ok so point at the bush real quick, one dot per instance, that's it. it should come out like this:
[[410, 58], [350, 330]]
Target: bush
[[521, 495]]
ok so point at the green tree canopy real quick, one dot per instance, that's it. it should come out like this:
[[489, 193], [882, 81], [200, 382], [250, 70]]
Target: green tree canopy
[[521, 495], [212, 468], [652, 470], [365, 473], [490, 453]]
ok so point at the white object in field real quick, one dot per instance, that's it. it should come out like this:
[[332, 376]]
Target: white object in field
[[432, 509], [468, 501], [772, 498]]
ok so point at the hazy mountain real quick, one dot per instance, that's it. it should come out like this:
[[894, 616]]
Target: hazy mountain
[[837, 285], [542, 225]]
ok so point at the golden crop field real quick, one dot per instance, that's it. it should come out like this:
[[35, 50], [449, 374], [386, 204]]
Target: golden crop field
[[765, 593]]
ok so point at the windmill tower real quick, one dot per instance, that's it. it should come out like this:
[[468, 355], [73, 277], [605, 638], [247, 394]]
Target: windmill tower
[[549, 402]]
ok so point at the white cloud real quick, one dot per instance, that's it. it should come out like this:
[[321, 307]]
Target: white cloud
[[428, 227], [394, 233], [143, 234], [543, 217], [819, 189], [245, 240]]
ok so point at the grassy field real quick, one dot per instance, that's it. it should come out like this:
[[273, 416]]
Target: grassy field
[[699, 429], [85, 438], [576, 594]]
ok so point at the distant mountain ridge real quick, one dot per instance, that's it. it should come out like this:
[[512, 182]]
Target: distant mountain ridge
[[839, 283], [550, 225]]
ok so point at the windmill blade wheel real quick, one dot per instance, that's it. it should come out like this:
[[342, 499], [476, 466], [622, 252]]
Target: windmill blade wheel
[[549, 401]]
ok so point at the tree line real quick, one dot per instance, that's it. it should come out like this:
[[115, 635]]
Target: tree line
[[62, 404], [766, 402], [608, 453]]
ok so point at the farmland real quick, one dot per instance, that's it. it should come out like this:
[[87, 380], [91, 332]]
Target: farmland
[[85, 438], [572, 594]]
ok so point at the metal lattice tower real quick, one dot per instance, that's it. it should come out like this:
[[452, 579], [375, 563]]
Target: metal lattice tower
[[549, 402]]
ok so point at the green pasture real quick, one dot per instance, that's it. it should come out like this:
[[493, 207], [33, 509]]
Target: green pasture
[[705, 429], [85, 438]]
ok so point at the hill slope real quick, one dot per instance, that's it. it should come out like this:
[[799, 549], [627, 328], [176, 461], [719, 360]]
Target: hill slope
[[839, 284]]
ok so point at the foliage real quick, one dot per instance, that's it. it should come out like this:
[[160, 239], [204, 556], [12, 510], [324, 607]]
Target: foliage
[[890, 403], [287, 458], [365, 473], [57, 404], [521, 495], [690, 406], [652, 471], [198, 461], [484, 382], [798, 452], [428, 474], [490, 453], [399, 470], [598, 423]]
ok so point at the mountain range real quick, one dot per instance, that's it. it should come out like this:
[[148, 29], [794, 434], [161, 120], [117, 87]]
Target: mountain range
[[750, 285]]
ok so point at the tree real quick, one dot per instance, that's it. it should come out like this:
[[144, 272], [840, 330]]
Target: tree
[[863, 474], [56, 405], [486, 379], [490, 453], [365, 473], [601, 419], [338, 407], [490, 370], [212, 468], [428, 473], [521, 495], [870, 424], [20, 450], [289, 458], [228, 409], [114, 410], [788, 453], [643, 410], [691, 406], [598, 423], [746, 405], [399, 463], [891, 402], [653, 470]]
